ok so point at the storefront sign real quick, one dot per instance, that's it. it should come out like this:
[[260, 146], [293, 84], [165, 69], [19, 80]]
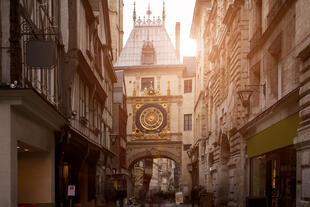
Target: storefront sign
[[179, 197], [71, 190], [40, 53], [275, 137]]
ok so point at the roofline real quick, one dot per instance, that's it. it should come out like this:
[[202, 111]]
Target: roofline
[[172, 66], [196, 15]]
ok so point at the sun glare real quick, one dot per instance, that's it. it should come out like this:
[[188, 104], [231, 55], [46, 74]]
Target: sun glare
[[188, 47]]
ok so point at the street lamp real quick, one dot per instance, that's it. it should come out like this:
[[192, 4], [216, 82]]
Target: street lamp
[[246, 94]]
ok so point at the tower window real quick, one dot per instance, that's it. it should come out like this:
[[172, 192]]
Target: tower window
[[187, 86], [146, 83], [187, 122]]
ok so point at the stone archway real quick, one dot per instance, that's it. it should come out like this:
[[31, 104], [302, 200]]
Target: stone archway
[[166, 149], [154, 149], [152, 153]]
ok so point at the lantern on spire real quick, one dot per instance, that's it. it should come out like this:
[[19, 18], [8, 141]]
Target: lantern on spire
[[134, 13]]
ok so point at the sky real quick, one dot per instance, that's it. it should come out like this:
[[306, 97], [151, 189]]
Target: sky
[[176, 11]]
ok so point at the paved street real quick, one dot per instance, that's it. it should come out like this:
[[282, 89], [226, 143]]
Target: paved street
[[162, 205]]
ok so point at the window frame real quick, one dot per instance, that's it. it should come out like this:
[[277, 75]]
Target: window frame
[[144, 83], [188, 86], [188, 122]]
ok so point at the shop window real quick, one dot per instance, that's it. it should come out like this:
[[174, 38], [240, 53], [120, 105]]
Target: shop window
[[273, 176], [187, 86], [187, 122], [258, 176]]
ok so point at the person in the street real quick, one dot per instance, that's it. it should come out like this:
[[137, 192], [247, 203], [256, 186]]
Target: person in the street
[[194, 195], [142, 196]]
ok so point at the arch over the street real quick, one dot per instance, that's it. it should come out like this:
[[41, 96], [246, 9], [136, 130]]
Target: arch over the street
[[139, 152], [153, 154]]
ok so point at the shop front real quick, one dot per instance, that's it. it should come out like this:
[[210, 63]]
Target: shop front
[[76, 160], [272, 159]]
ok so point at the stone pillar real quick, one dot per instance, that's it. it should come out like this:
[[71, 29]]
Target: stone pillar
[[302, 141], [8, 159]]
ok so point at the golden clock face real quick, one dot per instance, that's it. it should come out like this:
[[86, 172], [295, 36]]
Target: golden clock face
[[151, 118]]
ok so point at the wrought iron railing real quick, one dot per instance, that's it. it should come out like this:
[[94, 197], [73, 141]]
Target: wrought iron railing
[[38, 24]]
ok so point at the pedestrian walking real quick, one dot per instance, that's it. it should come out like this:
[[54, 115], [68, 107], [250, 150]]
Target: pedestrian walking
[[194, 195]]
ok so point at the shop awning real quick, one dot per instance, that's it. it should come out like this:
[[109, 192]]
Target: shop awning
[[277, 136]]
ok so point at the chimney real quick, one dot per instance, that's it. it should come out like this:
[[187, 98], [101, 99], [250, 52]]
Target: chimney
[[177, 39]]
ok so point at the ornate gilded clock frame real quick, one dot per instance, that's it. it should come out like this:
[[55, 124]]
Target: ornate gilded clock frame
[[151, 119]]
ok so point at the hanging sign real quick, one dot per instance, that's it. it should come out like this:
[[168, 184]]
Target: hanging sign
[[40, 53]]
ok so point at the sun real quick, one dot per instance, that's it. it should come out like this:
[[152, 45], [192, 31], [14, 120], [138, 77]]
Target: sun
[[188, 47]]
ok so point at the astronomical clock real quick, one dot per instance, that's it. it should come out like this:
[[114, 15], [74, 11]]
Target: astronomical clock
[[151, 118]]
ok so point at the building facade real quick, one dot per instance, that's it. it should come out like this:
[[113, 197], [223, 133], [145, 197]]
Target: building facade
[[56, 98], [252, 62], [221, 29], [116, 23], [29, 102], [119, 139], [84, 157], [159, 94]]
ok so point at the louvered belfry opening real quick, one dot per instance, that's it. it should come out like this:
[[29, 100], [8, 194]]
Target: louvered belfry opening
[[148, 53]]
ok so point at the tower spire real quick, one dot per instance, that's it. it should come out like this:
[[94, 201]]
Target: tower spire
[[134, 13], [164, 12], [149, 12]]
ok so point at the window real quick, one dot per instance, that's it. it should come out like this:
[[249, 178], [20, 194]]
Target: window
[[255, 80], [146, 83], [273, 65], [187, 86], [82, 104], [187, 122], [96, 115]]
